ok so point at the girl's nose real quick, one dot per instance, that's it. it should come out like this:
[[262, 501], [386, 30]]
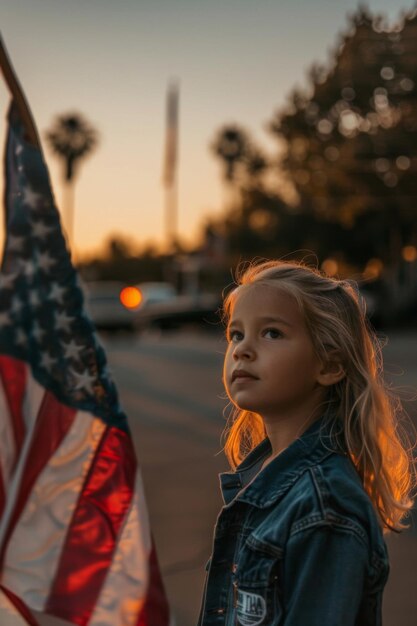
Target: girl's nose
[[243, 350]]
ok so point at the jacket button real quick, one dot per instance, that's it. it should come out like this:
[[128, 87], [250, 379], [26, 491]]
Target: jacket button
[[221, 610]]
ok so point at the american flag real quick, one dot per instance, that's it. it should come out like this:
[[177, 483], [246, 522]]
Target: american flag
[[13, 611], [74, 535]]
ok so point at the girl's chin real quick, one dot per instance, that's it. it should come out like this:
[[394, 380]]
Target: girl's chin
[[245, 406]]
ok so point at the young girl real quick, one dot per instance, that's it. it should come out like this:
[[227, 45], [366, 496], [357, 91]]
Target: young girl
[[319, 470]]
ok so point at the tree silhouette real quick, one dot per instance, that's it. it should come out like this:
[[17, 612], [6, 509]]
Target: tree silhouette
[[350, 138], [243, 161], [71, 138], [231, 145]]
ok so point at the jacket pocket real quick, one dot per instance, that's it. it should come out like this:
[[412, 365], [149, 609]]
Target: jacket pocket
[[256, 585]]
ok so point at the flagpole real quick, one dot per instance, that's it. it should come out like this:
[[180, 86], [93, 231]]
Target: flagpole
[[170, 177], [18, 95], [25, 113]]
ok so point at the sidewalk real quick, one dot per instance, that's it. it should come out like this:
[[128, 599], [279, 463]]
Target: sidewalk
[[400, 598]]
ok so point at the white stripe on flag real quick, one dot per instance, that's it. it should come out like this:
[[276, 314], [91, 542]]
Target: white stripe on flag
[[35, 394], [126, 585], [32, 401], [7, 442], [35, 546], [9, 615]]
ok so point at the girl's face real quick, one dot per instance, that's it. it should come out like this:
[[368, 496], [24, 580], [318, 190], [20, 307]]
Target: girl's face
[[270, 365]]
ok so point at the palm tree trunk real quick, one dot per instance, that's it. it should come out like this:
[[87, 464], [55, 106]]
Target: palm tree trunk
[[69, 214], [171, 215]]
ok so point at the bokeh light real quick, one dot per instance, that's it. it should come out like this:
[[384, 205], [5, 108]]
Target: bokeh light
[[409, 253], [130, 297]]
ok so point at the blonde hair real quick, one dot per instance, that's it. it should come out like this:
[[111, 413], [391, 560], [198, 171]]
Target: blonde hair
[[360, 404]]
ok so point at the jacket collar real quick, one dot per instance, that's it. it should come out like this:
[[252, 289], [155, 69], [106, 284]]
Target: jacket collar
[[261, 489]]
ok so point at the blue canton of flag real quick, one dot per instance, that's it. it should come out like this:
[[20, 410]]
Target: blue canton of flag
[[42, 320]]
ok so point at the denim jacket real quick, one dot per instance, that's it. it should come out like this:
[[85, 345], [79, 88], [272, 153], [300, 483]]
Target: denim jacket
[[298, 543]]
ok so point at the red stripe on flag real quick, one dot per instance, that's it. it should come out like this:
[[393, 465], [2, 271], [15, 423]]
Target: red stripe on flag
[[13, 376], [92, 536], [2, 494], [155, 610], [52, 424], [19, 606]]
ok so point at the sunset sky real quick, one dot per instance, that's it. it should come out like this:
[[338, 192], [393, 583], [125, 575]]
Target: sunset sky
[[236, 61]]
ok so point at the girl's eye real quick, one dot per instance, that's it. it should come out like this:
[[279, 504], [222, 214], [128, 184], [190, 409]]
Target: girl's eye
[[273, 333], [234, 336]]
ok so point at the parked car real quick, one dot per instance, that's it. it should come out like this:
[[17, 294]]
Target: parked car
[[199, 309], [113, 305], [105, 307], [154, 293]]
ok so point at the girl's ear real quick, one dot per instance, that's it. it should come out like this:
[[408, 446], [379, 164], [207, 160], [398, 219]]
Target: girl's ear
[[331, 371]]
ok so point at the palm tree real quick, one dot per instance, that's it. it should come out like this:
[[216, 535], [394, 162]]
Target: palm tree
[[231, 145], [243, 162], [72, 138]]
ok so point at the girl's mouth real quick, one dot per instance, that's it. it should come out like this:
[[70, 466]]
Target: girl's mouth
[[240, 374]]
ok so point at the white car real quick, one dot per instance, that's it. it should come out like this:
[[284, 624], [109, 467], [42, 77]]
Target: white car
[[105, 307], [154, 293], [114, 305]]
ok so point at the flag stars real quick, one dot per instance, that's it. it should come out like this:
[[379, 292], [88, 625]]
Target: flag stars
[[57, 293], [30, 197], [21, 339], [15, 243], [47, 361], [40, 230], [84, 381], [7, 281], [29, 268], [63, 322], [45, 261], [17, 305], [37, 332], [5, 318], [72, 350], [34, 299]]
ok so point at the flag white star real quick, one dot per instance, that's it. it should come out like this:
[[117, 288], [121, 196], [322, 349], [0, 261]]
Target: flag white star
[[21, 338], [5, 319], [40, 229], [47, 361], [84, 380], [17, 304], [7, 281], [29, 268], [30, 197], [15, 243], [71, 350], [37, 332], [34, 299], [63, 322], [45, 261], [57, 293]]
